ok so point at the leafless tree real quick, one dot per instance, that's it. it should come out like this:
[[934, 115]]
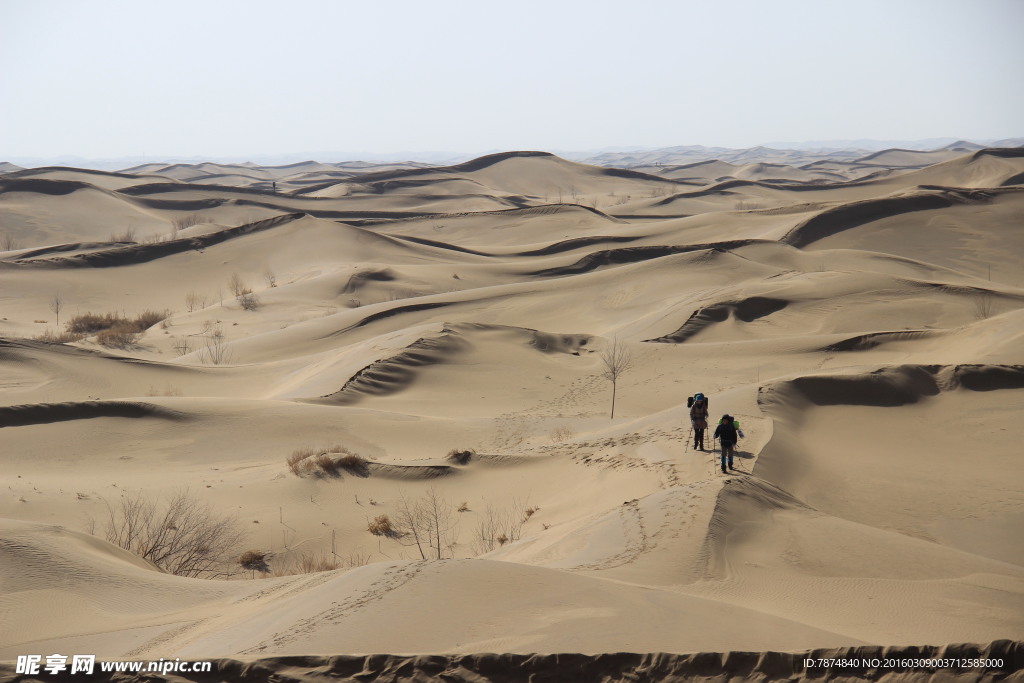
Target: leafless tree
[[184, 536], [617, 359], [235, 284], [8, 242], [57, 305], [428, 524]]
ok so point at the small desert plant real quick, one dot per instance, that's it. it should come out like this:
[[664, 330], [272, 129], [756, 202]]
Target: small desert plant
[[127, 236], [326, 464], [254, 561], [560, 434], [215, 351], [983, 306], [381, 525], [8, 242], [168, 390], [181, 345], [464, 507], [298, 462], [194, 300], [269, 278], [58, 337], [117, 338], [460, 457], [248, 300]]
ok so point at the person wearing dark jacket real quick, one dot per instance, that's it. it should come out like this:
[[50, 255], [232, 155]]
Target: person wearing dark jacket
[[728, 433]]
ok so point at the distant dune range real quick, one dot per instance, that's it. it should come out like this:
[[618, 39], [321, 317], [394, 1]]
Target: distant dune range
[[309, 349]]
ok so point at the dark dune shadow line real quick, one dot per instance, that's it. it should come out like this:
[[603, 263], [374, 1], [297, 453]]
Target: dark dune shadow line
[[746, 310], [838, 219], [901, 385], [48, 413], [144, 253], [626, 255]]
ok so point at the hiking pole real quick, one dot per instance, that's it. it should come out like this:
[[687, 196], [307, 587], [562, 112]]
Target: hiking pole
[[687, 450]]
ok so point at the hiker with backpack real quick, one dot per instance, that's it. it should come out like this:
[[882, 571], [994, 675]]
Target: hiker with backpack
[[728, 432], [698, 404]]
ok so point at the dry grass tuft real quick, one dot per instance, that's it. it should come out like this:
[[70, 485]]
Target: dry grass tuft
[[381, 525], [58, 337], [323, 461], [464, 507]]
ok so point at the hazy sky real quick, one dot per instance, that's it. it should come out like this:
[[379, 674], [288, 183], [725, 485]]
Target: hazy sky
[[244, 78]]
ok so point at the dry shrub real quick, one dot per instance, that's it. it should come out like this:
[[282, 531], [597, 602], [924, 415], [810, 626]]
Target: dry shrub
[[91, 323], [117, 338], [464, 507], [58, 337], [309, 563], [168, 390], [460, 457], [184, 536], [381, 526], [560, 434], [254, 561], [248, 301], [298, 462], [327, 464]]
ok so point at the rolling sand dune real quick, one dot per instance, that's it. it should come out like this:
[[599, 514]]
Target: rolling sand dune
[[406, 335]]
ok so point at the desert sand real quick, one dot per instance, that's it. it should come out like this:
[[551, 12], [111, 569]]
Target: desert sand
[[862, 317]]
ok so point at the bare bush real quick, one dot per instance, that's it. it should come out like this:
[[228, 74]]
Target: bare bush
[[299, 462], [215, 351], [269, 277], [181, 345], [184, 536], [8, 242], [381, 525], [58, 337], [248, 300], [309, 563], [496, 528], [322, 461], [127, 236], [562, 433], [983, 306], [461, 457], [184, 222], [254, 561], [117, 338]]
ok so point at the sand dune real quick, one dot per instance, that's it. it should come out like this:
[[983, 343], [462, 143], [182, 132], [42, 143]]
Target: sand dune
[[410, 333]]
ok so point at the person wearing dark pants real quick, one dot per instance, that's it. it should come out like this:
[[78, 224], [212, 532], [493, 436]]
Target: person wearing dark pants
[[727, 433]]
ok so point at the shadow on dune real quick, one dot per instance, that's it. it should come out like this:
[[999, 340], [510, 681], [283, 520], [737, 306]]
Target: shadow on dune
[[746, 310], [48, 413], [897, 386]]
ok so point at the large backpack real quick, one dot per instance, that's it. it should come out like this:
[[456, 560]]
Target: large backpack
[[690, 400]]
